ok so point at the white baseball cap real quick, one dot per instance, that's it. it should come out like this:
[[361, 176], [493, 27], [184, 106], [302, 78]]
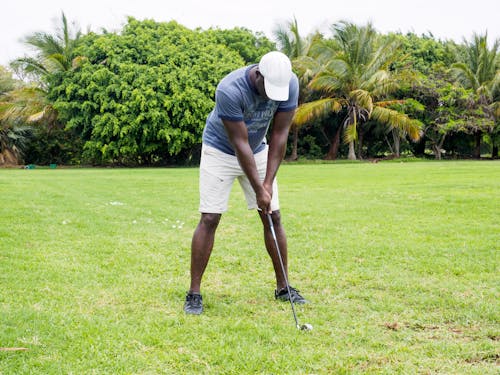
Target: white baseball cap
[[277, 71]]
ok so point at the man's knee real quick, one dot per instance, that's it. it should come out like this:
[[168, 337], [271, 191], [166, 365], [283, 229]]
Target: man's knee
[[276, 216], [210, 221]]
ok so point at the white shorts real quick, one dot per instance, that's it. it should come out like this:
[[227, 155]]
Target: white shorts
[[218, 171]]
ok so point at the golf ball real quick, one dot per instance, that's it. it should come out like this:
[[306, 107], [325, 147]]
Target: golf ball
[[307, 327]]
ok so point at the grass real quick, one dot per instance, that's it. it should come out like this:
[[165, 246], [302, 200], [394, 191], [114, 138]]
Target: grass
[[400, 261]]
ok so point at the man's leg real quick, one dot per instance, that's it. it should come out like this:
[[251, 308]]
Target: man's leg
[[217, 174], [281, 292], [201, 248]]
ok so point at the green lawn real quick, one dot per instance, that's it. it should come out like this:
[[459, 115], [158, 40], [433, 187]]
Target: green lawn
[[400, 261]]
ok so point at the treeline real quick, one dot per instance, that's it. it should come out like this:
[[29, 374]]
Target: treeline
[[141, 96]]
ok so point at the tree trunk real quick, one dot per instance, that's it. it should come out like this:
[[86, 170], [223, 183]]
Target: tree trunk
[[437, 147], [437, 151], [8, 157], [494, 152], [360, 142], [295, 141], [397, 143], [334, 145], [476, 154], [352, 154]]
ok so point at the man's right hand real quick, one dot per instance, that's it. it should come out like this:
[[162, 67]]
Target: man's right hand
[[263, 197], [238, 136]]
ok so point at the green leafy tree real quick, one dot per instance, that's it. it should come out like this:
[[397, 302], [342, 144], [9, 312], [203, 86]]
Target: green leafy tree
[[479, 71], [142, 97], [423, 53], [357, 81], [456, 113], [450, 111], [422, 61], [251, 46]]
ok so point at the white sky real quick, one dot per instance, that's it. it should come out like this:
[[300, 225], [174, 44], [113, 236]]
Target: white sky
[[445, 19]]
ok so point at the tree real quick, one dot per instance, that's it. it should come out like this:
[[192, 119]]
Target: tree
[[249, 45], [423, 53], [14, 131], [53, 52], [356, 80], [456, 113], [7, 82], [297, 48], [479, 70], [28, 105], [14, 134], [142, 97]]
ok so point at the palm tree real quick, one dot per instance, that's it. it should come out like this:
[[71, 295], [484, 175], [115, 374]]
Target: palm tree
[[25, 105], [479, 71], [19, 109], [356, 80], [13, 136], [54, 52], [297, 48]]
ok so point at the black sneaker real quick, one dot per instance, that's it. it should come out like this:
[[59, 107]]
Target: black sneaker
[[282, 295], [193, 304]]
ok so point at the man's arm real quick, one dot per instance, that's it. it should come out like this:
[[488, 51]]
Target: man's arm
[[277, 145], [238, 136]]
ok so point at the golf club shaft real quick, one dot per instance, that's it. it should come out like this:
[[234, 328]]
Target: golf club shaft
[[273, 233]]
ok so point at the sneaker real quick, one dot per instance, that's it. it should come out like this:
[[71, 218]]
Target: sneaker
[[282, 295], [193, 304]]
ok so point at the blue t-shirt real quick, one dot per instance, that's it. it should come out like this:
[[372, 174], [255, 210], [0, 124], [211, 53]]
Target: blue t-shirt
[[236, 99]]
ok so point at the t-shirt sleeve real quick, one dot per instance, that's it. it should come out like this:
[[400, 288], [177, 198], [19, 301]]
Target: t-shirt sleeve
[[228, 106], [293, 96]]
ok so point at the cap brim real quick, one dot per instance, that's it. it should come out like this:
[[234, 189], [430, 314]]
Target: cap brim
[[276, 92]]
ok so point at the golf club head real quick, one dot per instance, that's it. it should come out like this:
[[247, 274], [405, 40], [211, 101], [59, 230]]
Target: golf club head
[[305, 327]]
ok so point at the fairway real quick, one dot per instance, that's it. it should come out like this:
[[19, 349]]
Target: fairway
[[400, 262]]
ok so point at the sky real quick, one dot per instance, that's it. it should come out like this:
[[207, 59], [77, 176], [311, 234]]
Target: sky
[[445, 19]]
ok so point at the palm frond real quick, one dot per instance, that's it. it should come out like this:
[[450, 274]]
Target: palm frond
[[325, 82], [397, 120], [20, 104], [350, 133], [480, 65], [357, 42], [289, 39], [380, 84], [387, 103], [282, 36], [58, 61], [324, 50], [465, 75], [54, 52], [316, 109], [381, 58], [496, 109], [363, 100], [495, 86], [44, 43], [29, 65]]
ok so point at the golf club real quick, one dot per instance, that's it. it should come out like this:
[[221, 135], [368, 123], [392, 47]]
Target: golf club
[[303, 327]]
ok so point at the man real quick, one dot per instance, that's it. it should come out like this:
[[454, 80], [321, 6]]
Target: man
[[234, 146]]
